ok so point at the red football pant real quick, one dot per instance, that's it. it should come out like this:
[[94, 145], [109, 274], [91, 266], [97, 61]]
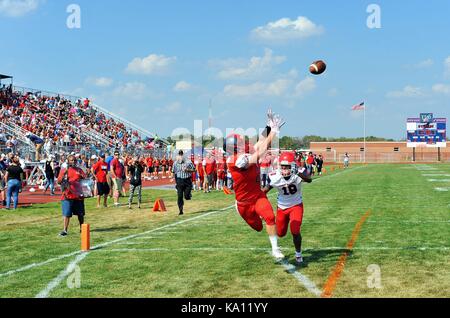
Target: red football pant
[[253, 212], [294, 215]]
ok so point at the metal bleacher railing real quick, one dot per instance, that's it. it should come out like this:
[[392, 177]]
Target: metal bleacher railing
[[143, 132]]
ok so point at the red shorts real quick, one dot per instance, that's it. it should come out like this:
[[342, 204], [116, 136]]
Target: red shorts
[[293, 215], [253, 212]]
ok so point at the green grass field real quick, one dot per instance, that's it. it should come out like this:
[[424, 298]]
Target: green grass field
[[211, 252]]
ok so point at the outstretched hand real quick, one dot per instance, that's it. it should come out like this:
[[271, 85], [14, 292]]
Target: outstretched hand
[[275, 122]]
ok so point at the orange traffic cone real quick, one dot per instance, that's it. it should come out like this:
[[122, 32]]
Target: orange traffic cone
[[227, 190], [159, 206]]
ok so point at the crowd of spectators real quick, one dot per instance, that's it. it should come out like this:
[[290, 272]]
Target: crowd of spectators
[[53, 123]]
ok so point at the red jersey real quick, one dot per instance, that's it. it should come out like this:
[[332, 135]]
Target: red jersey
[[210, 165], [149, 162], [100, 171], [247, 182], [199, 168]]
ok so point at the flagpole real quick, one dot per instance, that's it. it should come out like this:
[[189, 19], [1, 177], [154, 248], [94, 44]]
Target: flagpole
[[365, 133]]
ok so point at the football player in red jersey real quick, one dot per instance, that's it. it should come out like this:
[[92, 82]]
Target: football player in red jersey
[[251, 202]]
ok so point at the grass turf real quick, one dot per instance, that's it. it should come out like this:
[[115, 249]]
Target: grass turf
[[211, 252]]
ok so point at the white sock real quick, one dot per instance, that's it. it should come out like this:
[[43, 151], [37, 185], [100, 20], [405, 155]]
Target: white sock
[[298, 254], [274, 242]]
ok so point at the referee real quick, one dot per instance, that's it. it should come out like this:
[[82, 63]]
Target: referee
[[182, 170]]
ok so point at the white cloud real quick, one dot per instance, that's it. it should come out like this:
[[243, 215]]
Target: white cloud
[[135, 91], [100, 81], [182, 86], [152, 64], [276, 88], [447, 66], [333, 92], [286, 29], [171, 108], [18, 8], [255, 67], [304, 87], [441, 89], [408, 92], [423, 64]]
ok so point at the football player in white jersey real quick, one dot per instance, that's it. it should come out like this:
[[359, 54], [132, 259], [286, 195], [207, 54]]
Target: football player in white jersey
[[290, 201]]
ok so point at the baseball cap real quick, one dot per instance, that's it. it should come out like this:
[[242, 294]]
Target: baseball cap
[[102, 155], [93, 157]]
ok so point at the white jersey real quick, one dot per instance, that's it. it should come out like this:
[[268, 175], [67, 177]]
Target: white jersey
[[289, 191]]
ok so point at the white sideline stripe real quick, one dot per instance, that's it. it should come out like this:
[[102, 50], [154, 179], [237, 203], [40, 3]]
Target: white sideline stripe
[[240, 249], [442, 189], [21, 269], [66, 272], [436, 175], [305, 281], [30, 266], [33, 265], [438, 180]]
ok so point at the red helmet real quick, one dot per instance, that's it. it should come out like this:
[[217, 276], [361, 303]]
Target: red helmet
[[287, 159]]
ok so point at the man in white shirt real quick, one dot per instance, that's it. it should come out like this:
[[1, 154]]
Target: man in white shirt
[[290, 199]]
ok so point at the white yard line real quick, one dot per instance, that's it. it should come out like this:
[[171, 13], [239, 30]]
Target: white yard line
[[66, 272], [303, 279]]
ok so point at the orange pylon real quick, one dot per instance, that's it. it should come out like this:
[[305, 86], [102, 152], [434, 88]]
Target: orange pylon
[[85, 237], [159, 206]]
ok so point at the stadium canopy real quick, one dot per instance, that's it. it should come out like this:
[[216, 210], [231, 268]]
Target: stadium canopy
[[5, 76]]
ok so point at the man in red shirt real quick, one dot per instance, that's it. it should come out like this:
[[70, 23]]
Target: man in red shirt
[[208, 171], [72, 200], [117, 173], [100, 170], [252, 203]]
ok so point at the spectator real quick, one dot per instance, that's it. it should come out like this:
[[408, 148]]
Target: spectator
[[38, 142], [3, 167], [72, 201], [100, 172], [50, 175], [319, 163], [135, 172], [117, 171], [13, 179]]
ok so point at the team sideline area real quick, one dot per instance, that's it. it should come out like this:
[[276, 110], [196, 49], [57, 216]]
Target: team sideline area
[[368, 231]]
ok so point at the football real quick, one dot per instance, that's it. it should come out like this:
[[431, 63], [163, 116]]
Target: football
[[317, 67]]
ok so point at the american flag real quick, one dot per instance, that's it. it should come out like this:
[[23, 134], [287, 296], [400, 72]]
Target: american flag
[[359, 107]]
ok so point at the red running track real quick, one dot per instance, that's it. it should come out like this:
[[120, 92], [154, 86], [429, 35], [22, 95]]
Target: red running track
[[27, 198]]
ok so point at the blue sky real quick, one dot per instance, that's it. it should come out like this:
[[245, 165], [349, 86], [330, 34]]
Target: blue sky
[[158, 63]]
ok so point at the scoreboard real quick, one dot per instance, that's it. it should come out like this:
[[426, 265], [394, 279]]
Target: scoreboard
[[426, 131]]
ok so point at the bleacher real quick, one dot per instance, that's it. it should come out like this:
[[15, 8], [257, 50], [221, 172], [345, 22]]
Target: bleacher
[[68, 124]]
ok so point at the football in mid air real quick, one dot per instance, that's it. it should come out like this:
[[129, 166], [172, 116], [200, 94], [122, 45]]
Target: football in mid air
[[317, 67]]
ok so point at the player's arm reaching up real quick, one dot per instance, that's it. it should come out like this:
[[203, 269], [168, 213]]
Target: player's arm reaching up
[[274, 124]]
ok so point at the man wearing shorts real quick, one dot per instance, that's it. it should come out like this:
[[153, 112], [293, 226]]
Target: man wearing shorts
[[72, 200], [117, 173], [100, 171]]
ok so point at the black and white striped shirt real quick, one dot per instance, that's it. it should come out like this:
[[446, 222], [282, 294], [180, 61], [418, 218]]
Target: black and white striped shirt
[[179, 169]]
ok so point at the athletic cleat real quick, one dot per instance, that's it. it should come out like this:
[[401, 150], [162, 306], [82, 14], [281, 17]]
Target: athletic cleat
[[63, 234], [298, 258], [277, 253]]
